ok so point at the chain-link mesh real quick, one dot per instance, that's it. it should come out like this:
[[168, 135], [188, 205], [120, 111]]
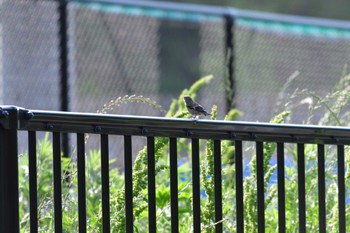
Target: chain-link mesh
[[29, 54], [114, 55], [265, 60], [117, 50], [213, 62]]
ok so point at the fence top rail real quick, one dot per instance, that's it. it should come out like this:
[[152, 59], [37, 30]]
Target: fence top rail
[[223, 11], [38, 120]]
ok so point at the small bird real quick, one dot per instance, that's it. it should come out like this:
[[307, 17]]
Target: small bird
[[195, 108]]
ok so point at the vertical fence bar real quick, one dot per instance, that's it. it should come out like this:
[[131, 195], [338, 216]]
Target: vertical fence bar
[[341, 189], [129, 222], [81, 182], [230, 61], [239, 186], [196, 192], [63, 43], [64, 74], [151, 186], [33, 197], [321, 189], [174, 187], [260, 186], [217, 186], [9, 210], [105, 182], [57, 181], [281, 189], [301, 187]]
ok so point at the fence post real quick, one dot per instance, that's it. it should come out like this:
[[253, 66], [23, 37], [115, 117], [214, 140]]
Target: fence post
[[64, 73], [230, 61], [9, 211]]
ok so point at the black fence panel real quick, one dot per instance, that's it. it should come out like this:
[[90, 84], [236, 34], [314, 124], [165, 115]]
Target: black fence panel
[[170, 131]]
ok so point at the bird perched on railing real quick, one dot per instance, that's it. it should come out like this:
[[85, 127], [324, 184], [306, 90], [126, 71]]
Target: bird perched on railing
[[195, 108]]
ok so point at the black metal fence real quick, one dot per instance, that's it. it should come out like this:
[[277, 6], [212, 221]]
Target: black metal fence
[[14, 120]]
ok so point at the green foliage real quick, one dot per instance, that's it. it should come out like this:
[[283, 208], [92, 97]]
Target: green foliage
[[250, 210], [129, 99], [336, 112], [335, 109]]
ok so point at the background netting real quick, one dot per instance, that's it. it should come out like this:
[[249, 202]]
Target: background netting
[[29, 54], [268, 55], [121, 51], [117, 50]]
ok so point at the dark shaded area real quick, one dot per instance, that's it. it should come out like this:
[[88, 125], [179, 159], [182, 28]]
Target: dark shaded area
[[179, 49]]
